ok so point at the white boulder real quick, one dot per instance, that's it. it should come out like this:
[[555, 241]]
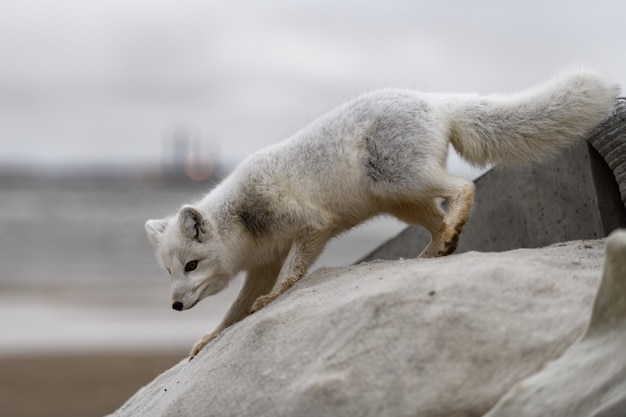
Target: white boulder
[[421, 337], [589, 380]]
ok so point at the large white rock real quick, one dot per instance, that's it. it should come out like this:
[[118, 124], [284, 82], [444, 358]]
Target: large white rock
[[429, 337], [589, 380]]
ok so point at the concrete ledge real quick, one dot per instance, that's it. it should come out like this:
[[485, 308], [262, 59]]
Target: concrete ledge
[[575, 196]]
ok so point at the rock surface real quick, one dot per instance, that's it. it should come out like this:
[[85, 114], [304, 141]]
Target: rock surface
[[433, 337], [589, 380]]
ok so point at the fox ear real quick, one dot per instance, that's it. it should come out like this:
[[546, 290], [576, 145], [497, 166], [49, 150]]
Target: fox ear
[[192, 223], [154, 230]]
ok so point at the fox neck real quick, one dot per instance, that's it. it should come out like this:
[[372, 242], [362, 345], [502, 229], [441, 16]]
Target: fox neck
[[242, 246]]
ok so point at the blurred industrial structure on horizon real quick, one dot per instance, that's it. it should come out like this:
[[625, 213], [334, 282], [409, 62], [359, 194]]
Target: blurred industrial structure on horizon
[[186, 158]]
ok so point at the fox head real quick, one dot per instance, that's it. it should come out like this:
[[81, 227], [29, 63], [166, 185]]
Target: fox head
[[188, 247]]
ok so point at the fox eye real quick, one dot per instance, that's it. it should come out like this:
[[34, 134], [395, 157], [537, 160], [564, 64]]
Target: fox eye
[[191, 265]]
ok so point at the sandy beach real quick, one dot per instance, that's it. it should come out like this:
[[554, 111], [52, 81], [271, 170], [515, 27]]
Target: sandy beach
[[76, 385]]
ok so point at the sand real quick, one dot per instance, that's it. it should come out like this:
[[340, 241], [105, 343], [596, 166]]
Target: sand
[[76, 385]]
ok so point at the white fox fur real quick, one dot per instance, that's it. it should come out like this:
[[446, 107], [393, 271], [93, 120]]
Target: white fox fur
[[381, 153]]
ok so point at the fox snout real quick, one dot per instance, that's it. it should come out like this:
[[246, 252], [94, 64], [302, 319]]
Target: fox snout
[[183, 297], [184, 300]]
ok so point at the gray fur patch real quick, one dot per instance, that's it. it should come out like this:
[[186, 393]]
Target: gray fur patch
[[383, 162], [263, 212], [256, 214], [254, 222], [376, 163], [396, 141]]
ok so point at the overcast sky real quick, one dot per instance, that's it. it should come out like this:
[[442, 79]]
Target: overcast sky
[[109, 81]]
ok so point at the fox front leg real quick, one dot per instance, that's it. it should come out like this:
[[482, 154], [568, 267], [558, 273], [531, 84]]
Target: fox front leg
[[203, 342], [305, 249], [258, 281]]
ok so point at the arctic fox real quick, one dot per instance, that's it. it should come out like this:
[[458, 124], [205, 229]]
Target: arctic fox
[[381, 153]]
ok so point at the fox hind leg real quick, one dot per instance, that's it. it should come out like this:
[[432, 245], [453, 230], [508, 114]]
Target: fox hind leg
[[428, 214], [459, 194], [444, 227]]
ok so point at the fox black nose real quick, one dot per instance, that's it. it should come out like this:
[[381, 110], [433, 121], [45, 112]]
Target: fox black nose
[[177, 306]]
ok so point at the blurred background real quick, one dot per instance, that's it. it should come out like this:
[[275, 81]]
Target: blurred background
[[113, 112]]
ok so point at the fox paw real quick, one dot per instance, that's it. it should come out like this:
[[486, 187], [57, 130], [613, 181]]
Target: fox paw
[[449, 238], [201, 344], [261, 302], [450, 244]]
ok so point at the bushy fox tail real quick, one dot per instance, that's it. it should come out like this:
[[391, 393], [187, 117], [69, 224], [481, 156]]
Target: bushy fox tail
[[531, 125]]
